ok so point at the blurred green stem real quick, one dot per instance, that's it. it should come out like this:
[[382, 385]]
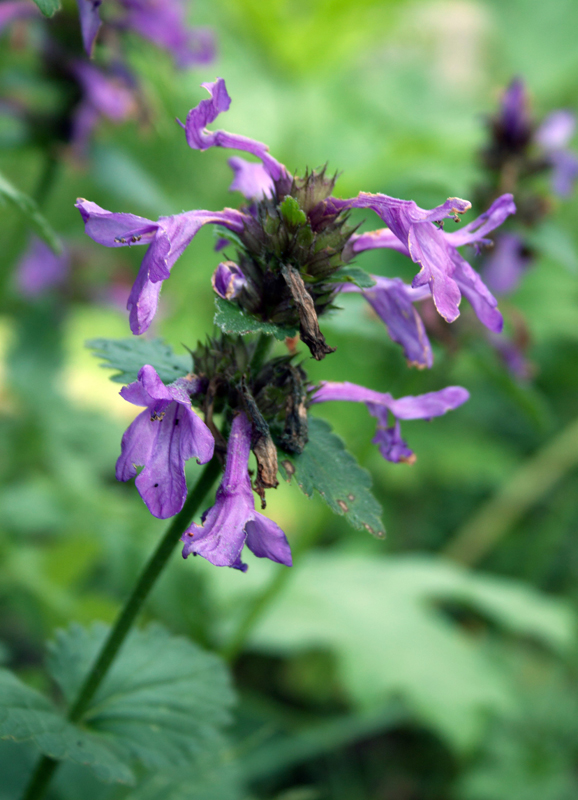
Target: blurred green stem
[[527, 486], [148, 577], [262, 349]]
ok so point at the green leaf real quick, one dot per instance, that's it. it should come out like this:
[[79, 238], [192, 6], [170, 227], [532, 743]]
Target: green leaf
[[48, 7], [214, 777], [129, 355], [164, 701], [30, 209], [384, 622], [353, 274], [232, 319], [26, 715], [325, 465], [292, 213]]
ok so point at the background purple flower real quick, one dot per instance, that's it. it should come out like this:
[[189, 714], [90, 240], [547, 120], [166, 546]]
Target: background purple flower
[[40, 269]]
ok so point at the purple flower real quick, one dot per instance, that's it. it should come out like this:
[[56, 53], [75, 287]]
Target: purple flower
[[443, 269], [512, 355], [103, 95], [11, 10], [167, 240], [553, 135], [199, 138], [163, 22], [424, 406], [507, 263], [228, 280], [90, 22], [233, 522], [392, 300], [513, 121], [161, 439], [40, 269], [251, 179]]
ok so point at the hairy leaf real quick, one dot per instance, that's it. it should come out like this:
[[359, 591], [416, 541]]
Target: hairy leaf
[[164, 700], [26, 715], [385, 622], [353, 274], [129, 355], [232, 319], [325, 465], [29, 208], [48, 7]]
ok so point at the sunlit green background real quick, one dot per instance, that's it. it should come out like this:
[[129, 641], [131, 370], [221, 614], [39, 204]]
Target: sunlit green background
[[441, 662]]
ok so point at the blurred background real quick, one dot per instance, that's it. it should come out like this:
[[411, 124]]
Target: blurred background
[[440, 663]]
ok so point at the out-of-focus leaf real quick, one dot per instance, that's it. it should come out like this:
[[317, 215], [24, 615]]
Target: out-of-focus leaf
[[232, 319], [129, 355], [326, 466], [353, 274], [384, 623], [27, 715], [213, 777], [48, 7], [30, 209], [164, 700], [119, 173]]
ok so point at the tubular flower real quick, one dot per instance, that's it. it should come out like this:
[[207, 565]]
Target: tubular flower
[[162, 438], [167, 240], [411, 230], [424, 406], [233, 522], [392, 300]]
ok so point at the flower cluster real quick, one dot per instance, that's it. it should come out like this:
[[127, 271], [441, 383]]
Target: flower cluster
[[88, 91], [294, 245]]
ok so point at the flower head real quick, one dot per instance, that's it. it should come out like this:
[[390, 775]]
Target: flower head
[[162, 438], [228, 280], [379, 404], [233, 522]]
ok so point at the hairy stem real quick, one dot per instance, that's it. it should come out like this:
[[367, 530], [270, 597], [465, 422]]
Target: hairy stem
[[528, 485], [148, 577]]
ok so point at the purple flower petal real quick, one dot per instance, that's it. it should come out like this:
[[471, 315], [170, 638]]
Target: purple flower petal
[[232, 520], [556, 130], [40, 269], [168, 239], [90, 22], [251, 179], [423, 406], [199, 138], [109, 94], [477, 293], [514, 118], [11, 10], [164, 23], [474, 232], [506, 263], [228, 280], [162, 438], [564, 172]]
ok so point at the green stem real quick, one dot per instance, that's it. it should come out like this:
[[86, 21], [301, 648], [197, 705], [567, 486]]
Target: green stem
[[262, 349], [152, 570], [527, 486], [46, 180]]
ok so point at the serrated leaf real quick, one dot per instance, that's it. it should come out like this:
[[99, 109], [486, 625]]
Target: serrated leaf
[[292, 213], [48, 7], [164, 700], [30, 209], [383, 619], [129, 355], [233, 320], [326, 466], [25, 714], [213, 778], [352, 274]]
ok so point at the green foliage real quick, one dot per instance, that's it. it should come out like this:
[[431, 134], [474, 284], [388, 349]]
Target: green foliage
[[233, 320], [385, 623], [48, 7], [129, 355], [353, 274], [326, 466], [163, 704], [292, 213], [29, 208]]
